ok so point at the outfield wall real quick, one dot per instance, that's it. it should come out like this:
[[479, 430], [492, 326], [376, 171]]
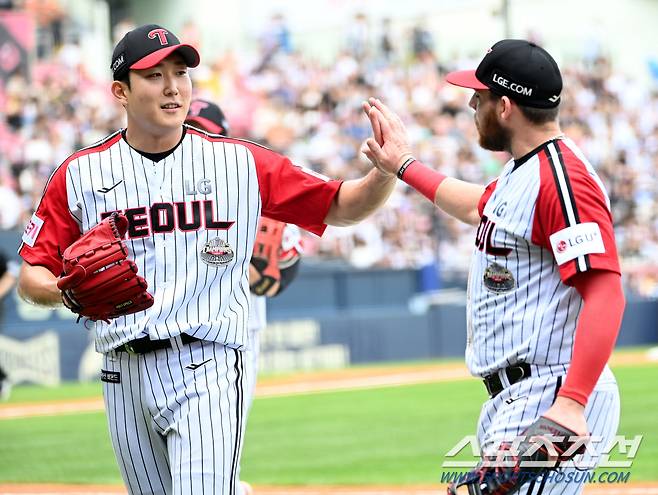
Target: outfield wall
[[332, 316]]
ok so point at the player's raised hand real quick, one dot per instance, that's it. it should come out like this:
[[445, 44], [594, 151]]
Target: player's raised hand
[[377, 135], [393, 148]]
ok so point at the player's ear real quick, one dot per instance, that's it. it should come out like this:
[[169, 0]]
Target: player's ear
[[119, 90], [505, 109]]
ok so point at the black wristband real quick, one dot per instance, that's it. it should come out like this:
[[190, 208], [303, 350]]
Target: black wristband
[[404, 166]]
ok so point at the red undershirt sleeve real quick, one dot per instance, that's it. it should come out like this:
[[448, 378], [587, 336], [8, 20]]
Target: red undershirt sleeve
[[572, 220], [596, 332]]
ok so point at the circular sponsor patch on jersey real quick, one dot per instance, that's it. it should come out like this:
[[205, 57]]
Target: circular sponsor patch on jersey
[[217, 252], [498, 279]]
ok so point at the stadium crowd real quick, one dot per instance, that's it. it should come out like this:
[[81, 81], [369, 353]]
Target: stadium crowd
[[311, 112]]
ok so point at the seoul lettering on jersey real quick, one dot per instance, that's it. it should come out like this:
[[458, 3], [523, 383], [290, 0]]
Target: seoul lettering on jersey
[[483, 238], [166, 217]]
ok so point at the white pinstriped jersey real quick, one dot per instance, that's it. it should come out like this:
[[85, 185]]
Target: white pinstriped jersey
[[257, 313], [543, 220], [291, 239], [208, 187]]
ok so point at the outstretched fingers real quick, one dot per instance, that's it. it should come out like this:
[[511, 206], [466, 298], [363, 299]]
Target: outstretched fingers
[[389, 115], [378, 120], [376, 129]]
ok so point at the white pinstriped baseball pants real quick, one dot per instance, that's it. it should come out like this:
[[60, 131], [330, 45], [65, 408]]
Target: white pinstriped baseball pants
[[513, 410], [176, 418], [251, 357]]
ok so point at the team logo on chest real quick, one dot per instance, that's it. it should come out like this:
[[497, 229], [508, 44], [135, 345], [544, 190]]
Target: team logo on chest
[[204, 186], [498, 279], [216, 252]]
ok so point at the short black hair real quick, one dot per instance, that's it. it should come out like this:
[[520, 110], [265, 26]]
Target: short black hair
[[537, 116], [125, 79], [540, 115]]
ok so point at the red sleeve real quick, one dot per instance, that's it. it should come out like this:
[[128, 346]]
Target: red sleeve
[[572, 217], [488, 191], [292, 194], [596, 333], [52, 228]]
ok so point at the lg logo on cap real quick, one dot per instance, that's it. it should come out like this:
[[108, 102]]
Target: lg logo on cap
[[517, 88], [161, 34]]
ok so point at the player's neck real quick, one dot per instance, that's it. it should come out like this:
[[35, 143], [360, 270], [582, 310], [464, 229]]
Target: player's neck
[[150, 142], [530, 137]]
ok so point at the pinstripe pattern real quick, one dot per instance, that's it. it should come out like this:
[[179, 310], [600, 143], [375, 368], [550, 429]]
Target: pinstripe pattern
[[176, 430], [534, 322], [183, 303], [257, 323], [177, 416], [502, 422]]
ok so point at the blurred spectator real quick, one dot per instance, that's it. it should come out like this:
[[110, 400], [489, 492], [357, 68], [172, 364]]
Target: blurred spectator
[[121, 28], [49, 16], [386, 46], [276, 36], [422, 41], [192, 34], [358, 36], [275, 39]]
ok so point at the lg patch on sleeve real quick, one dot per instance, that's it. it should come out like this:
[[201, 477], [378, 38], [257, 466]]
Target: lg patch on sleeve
[[579, 240], [32, 230]]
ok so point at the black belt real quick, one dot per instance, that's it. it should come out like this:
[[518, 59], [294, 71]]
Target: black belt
[[145, 344], [514, 374]]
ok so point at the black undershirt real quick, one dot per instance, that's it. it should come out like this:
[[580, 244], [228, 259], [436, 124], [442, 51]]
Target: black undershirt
[[156, 157]]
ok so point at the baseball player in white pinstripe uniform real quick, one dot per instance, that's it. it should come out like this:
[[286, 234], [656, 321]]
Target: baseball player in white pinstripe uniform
[[209, 117], [544, 291], [174, 374]]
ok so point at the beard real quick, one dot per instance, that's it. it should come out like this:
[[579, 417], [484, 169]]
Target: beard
[[493, 136]]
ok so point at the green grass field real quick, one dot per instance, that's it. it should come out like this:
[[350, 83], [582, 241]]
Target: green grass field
[[395, 436]]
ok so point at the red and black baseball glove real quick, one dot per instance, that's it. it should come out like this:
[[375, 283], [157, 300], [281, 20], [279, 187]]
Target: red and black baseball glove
[[99, 282], [275, 262], [545, 444]]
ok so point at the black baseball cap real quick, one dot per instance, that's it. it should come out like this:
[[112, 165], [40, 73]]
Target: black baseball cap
[[146, 46], [519, 69], [209, 116]]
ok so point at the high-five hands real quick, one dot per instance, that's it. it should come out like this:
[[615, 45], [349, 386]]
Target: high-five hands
[[389, 147]]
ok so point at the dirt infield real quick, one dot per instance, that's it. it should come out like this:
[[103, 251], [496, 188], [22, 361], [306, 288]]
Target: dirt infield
[[610, 489]]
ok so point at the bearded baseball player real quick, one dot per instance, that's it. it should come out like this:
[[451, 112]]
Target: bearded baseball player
[[149, 233], [545, 300], [274, 262]]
